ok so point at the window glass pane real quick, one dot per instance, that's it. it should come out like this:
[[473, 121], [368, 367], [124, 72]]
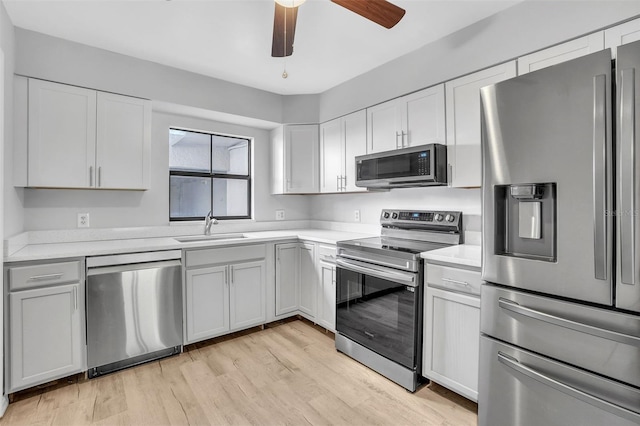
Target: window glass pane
[[230, 155], [189, 196], [230, 197], [189, 151]]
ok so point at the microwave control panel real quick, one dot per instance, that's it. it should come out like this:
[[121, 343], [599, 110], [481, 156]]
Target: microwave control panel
[[423, 163]]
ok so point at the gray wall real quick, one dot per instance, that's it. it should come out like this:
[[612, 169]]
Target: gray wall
[[57, 208]]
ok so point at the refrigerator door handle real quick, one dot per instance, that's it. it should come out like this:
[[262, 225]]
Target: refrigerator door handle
[[615, 336], [627, 182], [617, 410], [600, 218]]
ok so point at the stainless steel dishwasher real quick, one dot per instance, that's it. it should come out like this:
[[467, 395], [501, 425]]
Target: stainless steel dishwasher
[[134, 309]]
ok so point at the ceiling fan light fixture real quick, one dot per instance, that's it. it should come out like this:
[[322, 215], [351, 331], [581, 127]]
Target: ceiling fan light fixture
[[290, 3]]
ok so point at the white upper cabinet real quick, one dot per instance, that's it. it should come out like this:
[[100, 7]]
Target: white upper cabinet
[[80, 138], [415, 119], [423, 117], [384, 126], [463, 123], [341, 140], [295, 161], [123, 142], [62, 135], [561, 53], [622, 34]]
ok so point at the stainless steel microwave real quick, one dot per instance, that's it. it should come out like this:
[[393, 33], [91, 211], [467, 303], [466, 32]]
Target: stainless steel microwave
[[424, 165]]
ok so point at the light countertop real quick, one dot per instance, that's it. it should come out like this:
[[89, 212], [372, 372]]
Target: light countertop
[[463, 254], [134, 245]]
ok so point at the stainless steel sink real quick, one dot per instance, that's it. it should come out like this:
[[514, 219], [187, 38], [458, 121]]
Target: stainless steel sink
[[214, 237]]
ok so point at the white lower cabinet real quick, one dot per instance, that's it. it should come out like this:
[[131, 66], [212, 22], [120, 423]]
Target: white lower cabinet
[[327, 295], [451, 349], [45, 339], [226, 295], [307, 279], [305, 282]]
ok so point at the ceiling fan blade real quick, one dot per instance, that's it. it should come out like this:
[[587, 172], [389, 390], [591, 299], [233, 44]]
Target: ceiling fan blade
[[379, 11], [284, 29]]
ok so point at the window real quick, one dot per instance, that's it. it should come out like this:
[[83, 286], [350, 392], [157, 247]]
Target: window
[[208, 172]]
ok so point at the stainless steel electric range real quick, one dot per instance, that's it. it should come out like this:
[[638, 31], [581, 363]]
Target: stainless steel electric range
[[379, 292]]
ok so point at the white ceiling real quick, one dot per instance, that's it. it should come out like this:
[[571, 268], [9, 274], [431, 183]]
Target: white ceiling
[[231, 39]]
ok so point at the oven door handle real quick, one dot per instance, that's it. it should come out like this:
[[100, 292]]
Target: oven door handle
[[385, 274]]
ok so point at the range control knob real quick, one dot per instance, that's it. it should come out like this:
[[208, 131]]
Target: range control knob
[[386, 215], [449, 218], [439, 217], [395, 215]]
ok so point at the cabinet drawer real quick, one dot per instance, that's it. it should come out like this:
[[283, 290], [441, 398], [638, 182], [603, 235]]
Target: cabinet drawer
[[327, 253], [224, 255], [456, 279], [24, 277]]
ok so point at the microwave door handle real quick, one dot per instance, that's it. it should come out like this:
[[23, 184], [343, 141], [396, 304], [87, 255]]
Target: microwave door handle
[[600, 219], [627, 181]]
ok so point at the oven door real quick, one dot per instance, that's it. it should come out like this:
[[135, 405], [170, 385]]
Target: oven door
[[380, 309]]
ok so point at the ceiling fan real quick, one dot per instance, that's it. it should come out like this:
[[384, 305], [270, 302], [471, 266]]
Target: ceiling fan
[[381, 12]]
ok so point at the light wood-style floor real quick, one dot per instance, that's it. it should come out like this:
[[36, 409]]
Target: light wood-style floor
[[289, 373]]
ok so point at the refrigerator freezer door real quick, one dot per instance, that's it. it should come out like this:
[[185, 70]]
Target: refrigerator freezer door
[[521, 388], [599, 340], [553, 126], [628, 222]]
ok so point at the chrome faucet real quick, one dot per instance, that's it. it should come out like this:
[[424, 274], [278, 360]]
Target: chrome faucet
[[208, 221]]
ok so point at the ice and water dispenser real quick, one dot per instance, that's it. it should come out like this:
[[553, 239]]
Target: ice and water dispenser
[[526, 221]]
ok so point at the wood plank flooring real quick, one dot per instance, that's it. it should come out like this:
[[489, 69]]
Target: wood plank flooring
[[287, 374]]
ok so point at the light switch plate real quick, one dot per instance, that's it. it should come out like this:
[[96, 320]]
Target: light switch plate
[[279, 214], [356, 215]]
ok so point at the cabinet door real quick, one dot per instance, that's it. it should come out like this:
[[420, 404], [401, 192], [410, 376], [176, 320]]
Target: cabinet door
[[463, 123], [207, 293], [247, 294], [46, 339], [561, 53], [452, 340], [327, 296], [301, 158], [354, 127], [384, 123], [307, 279], [286, 278], [331, 156], [423, 118], [123, 142], [62, 135], [621, 34]]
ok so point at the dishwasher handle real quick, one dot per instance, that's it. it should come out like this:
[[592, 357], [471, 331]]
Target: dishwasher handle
[[116, 269]]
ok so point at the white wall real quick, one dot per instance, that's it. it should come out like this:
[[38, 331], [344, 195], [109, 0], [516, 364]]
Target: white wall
[[57, 208], [521, 29]]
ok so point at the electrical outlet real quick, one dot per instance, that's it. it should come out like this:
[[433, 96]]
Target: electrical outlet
[[356, 215], [83, 220], [279, 214]]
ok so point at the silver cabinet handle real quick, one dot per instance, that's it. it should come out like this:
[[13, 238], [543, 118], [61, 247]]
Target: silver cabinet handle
[[600, 218], [99, 176], [452, 281], [46, 277], [337, 182], [226, 277], [231, 269], [615, 336], [627, 177], [90, 176], [75, 298], [568, 389], [344, 183], [398, 144], [403, 135]]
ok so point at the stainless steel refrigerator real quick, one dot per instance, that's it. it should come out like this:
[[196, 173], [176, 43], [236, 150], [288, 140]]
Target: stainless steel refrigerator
[[560, 313]]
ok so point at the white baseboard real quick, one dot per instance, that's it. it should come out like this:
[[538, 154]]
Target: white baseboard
[[4, 403]]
